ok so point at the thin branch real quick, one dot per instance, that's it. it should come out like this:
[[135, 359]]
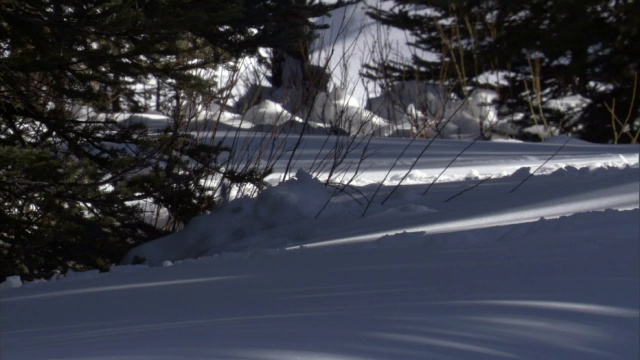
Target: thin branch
[[539, 167], [471, 188]]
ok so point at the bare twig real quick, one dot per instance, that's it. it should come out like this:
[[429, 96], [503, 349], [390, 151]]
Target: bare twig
[[539, 167], [468, 189]]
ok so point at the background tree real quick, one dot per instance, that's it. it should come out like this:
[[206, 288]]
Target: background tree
[[69, 184], [292, 32], [542, 50]]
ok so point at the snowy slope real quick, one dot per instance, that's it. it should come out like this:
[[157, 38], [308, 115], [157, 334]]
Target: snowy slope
[[507, 194], [435, 249], [480, 276]]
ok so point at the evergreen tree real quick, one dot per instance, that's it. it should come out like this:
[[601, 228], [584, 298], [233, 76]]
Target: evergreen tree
[[542, 49], [68, 185], [292, 32]]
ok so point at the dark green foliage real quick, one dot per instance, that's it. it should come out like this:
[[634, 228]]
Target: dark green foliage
[[548, 49], [68, 186], [55, 215]]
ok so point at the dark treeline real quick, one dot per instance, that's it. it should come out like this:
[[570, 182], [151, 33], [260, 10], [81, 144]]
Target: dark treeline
[[541, 50]]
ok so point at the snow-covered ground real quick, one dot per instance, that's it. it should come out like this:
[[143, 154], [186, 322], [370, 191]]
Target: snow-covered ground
[[538, 267], [445, 249]]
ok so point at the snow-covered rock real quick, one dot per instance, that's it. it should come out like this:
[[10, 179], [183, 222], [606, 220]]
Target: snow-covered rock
[[269, 113]]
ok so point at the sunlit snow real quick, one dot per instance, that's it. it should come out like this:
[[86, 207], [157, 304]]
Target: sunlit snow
[[550, 270], [367, 247]]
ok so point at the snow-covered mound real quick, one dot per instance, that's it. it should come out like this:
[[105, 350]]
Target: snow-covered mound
[[479, 197], [241, 224]]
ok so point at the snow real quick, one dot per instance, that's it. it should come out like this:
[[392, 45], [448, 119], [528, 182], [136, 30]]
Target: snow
[[11, 282], [281, 216], [367, 247], [472, 269], [269, 113]]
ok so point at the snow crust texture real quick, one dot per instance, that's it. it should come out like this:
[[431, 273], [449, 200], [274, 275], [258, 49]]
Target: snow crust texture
[[377, 247], [511, 253]]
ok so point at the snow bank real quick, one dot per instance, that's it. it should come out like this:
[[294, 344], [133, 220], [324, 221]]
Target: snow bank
[[239, 225], [303, 211], [11, 282]]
